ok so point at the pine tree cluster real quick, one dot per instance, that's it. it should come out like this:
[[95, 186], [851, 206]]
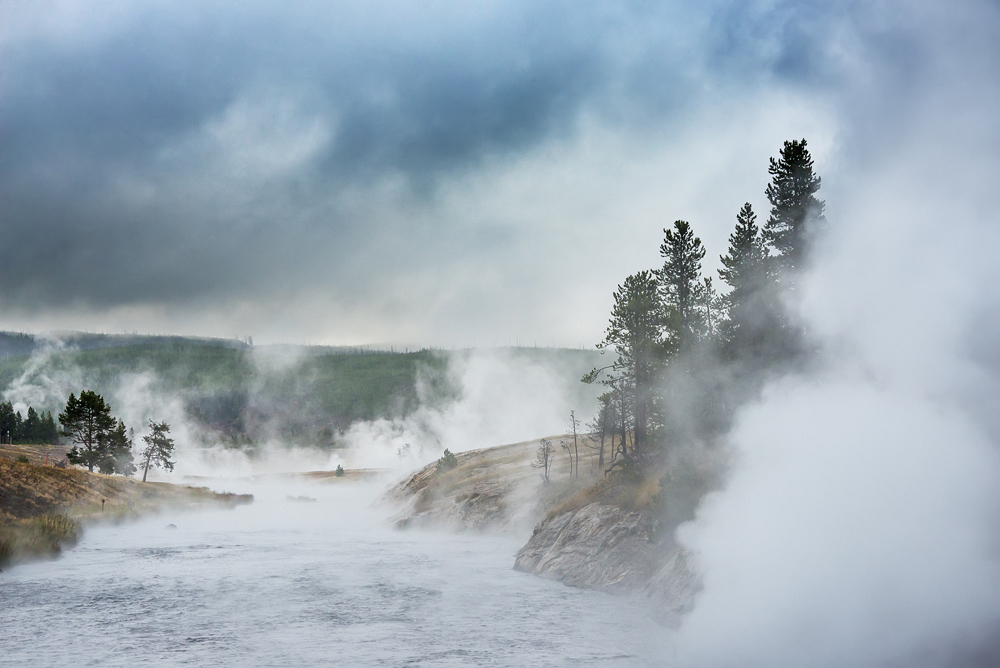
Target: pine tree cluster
[[35, 428], [686, 356]]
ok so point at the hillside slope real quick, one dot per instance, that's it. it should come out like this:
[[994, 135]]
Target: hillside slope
[[302, 395]]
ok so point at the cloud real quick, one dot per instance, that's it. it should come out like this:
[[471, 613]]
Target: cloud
[[176, 157], [371, 172]]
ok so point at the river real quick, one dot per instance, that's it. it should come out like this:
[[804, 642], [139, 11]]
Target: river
[[306, 583]]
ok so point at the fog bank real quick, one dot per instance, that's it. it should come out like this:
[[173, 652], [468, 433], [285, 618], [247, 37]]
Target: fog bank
[[859, 525]]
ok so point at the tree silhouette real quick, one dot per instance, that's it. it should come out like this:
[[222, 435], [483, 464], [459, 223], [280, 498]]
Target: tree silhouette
[[87, 422], [159, 448], [796, 213]]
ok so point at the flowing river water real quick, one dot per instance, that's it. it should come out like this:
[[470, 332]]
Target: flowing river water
[[306, 583]]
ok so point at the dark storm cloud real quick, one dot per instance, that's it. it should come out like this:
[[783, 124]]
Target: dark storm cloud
[[77, 119], [140, 163]]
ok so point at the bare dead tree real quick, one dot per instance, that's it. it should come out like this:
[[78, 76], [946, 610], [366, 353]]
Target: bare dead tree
[[598, 428], [569, 451], [576, 448], [543, 458]]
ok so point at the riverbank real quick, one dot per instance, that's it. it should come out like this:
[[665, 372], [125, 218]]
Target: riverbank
[[491, 489], [44, 509], [588, 531]]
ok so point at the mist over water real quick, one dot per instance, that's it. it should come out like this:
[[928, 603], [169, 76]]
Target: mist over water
[[300, 583], [858, 521]]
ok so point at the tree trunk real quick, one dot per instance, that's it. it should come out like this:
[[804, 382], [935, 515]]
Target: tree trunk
[[641, 401], [604, 428], [624, 435], [576, 452], [146, 469]]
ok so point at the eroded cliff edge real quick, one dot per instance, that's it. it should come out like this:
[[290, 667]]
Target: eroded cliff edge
[[577, 537], [606, 548]]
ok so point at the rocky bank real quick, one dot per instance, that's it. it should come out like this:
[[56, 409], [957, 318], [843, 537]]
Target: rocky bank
[[595, 545]]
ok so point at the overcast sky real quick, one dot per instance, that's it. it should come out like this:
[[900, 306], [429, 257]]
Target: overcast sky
[[428, 173]]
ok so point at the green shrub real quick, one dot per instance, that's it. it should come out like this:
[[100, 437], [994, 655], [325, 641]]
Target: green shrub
[[447, 462], [23, 459], [340, 471]]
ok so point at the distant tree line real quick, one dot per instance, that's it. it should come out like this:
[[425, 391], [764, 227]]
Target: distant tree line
[[99, 440], [35, 428], [687, 355]]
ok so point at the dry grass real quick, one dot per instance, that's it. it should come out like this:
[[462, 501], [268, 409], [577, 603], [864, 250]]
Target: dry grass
[[37, 538], [638, 494], [617, 490], [35, 454], [577, 499], [505, 475], [42, 507]]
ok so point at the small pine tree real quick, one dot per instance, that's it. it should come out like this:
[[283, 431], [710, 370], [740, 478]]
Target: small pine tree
[[48, 431], [159, 448], [119, 457], [339, 472], [447, 462], [31, 427]]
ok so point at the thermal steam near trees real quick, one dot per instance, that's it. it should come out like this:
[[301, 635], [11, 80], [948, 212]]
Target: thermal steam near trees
[[686, 356], [159, 448], [100, 440]]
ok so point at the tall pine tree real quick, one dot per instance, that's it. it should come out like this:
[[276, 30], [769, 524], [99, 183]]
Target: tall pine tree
[[87, 422], [634, 333], [679, 283], [751, 301], [796, 213]]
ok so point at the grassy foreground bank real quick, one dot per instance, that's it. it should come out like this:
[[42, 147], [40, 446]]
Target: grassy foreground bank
[[43, 508]]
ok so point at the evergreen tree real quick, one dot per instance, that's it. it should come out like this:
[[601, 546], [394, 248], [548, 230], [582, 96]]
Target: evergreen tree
[[119, 458], [447, 462], [31, 428], [35, 428], [635, 333], [752, 300], [712, 307], [159, 448], [48, 432], [87, 422], [795, 211], [679, 281], [8, 426]]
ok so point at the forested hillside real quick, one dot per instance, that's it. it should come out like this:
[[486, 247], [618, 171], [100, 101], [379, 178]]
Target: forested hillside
[[242, 394]]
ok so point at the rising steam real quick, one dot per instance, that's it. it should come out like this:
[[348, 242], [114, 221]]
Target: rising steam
[[859, 526]]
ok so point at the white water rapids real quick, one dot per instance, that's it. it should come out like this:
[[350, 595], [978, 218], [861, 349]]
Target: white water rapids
[[324, 583]]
